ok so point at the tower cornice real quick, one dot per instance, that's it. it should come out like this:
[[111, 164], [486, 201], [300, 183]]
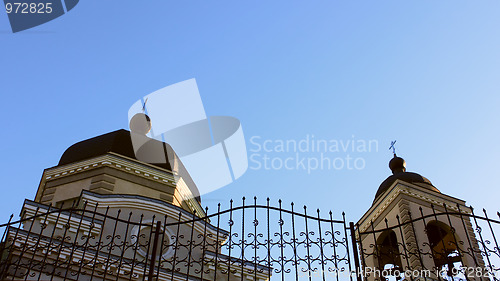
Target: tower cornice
[[399, 188]]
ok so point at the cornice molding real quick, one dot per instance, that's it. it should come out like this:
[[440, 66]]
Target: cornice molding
[[75, 222], [144, 204], [124, 164], [116, 161], [411, 190]]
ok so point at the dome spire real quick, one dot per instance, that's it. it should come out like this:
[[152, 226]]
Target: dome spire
[[397, 164], [140, 122]]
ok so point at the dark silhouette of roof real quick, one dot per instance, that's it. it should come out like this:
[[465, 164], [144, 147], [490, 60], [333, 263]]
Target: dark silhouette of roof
[[398, 167], [120, 142]]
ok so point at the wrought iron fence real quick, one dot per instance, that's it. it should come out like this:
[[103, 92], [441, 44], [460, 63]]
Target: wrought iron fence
[[250, 241], [245, 242]]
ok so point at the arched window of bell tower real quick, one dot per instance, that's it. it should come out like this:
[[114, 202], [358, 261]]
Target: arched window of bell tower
[[389, 256], [445, 251]]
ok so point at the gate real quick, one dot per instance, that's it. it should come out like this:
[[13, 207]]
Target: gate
[[247, 242]]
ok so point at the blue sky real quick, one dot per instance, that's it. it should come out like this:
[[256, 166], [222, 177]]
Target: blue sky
[[423, 72]]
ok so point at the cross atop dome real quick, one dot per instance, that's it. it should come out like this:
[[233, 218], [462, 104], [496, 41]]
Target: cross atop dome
[[393, 147]]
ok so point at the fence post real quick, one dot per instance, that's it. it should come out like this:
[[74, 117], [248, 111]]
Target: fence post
[[355, 251], [153, 254]]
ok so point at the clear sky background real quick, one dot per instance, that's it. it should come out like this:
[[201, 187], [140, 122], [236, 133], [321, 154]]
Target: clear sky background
[[423, 72]]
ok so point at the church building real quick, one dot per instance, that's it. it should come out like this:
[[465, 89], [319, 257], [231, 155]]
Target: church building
[[102, 214]]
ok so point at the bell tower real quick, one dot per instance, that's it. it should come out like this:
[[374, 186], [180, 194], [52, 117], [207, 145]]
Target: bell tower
[[414, 228]]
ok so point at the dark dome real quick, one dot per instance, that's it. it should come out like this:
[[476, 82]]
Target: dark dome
[[120, 142], [398, 167]]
